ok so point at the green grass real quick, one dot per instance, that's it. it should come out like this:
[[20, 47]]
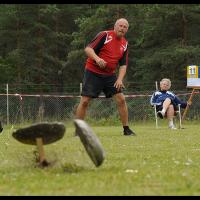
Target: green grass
[[155, 162]]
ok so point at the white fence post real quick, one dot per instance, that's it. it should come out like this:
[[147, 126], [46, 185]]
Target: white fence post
[[81, 86], [156, 85], [7, 104]]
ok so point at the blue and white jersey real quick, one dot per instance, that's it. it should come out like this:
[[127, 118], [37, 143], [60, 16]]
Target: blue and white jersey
[[159, 96]]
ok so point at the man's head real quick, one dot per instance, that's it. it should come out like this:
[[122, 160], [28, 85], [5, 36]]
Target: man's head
[[165, 84], [121, 27]]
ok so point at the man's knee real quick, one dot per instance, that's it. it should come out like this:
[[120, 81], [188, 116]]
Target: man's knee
[[171, 107], [168, 100], [120, 99], [84, 102]]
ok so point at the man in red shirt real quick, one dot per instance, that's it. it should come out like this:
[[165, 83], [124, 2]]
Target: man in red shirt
[[106, 52]]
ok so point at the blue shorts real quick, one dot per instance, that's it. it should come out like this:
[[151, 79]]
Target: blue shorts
[[94, 84]]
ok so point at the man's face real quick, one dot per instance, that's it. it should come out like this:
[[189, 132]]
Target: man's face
[[164, 85], [121, 28]]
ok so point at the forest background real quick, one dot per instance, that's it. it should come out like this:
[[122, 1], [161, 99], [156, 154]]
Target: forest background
[[43, 43]]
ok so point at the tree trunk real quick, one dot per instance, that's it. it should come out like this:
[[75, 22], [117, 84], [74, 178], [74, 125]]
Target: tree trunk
[[184, 30]]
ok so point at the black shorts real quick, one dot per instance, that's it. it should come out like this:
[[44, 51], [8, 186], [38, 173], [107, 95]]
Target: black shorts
[[160, 107], [94, 84]]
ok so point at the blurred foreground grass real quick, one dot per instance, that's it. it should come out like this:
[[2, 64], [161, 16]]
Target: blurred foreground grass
[[155, 162]]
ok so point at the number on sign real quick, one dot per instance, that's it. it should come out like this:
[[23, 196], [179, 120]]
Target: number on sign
[[192, 70]]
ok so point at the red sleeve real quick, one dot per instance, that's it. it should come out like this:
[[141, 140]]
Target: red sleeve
[[98, 42]]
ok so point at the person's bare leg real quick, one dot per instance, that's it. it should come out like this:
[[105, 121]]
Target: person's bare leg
[[166, 105], [82, 108], [122, 108], [170, 112], [170, 116], [123, 113]]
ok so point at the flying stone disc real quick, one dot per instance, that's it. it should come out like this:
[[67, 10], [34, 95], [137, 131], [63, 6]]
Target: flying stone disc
[[49, 132], [90, 142]]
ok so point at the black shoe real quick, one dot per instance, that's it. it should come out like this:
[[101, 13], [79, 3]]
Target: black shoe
[[1, 128], [128, 131], [159, 113]]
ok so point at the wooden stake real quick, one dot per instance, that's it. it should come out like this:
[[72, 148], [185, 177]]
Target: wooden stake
[[189, 101], [40, 146]]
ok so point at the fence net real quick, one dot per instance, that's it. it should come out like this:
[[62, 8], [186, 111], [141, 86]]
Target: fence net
[[20, 109]]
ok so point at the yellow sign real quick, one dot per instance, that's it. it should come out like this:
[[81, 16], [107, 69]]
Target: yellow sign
[[192, 71], [193, 76]]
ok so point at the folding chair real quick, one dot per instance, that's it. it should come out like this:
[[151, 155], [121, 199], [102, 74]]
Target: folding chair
[[178, 112]]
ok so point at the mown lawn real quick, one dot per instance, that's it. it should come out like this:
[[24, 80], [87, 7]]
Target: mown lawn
[[155, 162]]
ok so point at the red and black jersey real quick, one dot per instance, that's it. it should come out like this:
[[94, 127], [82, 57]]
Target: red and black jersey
[[110, 48]]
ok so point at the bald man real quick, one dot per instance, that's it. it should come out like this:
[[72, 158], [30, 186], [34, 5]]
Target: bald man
[[107, 53]]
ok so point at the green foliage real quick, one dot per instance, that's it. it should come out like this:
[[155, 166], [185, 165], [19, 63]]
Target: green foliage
[[44, 43], [157, 162], [7, 70]]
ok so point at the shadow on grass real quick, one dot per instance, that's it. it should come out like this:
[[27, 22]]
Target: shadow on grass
[[73, 168]]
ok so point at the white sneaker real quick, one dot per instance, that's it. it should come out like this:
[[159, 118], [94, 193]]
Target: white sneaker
[[172, 127]]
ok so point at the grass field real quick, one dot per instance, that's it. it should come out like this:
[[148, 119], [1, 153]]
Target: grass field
[[155, 162]]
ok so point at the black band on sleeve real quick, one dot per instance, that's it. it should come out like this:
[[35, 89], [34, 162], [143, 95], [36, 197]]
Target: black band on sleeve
[[124, 59], [98, 42]]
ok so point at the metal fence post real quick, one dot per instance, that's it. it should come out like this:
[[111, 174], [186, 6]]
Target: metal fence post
[[81, 87], [7, 104], [156, 85]]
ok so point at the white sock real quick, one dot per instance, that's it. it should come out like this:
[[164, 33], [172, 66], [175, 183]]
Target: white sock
[[163, 111], [171, 123]]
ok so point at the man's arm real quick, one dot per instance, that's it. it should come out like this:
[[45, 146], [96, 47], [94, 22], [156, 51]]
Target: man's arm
[[182, 103], [152, 99], [123, 62], [94, 47], [91, 54], [122, 72]]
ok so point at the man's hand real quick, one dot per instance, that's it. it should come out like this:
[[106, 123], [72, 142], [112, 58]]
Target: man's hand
[[119, 84], [91, 54], [101, 63]]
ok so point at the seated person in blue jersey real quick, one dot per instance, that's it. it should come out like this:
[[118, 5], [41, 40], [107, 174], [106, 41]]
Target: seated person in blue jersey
[[166, 102]]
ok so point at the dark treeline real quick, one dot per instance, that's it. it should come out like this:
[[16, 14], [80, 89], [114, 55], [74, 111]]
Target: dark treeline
[[43, 43]]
